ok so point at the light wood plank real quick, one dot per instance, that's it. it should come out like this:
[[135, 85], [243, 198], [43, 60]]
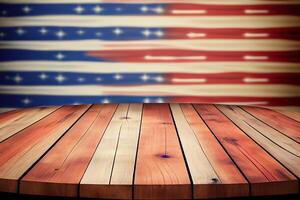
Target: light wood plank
[[21, 151], [276, 120], [59, 172], [123, 170], [161, 172], [206, 156], [16, 121], [8, 117], [265, 174], [284, 149], [290, 114], [110, 172]]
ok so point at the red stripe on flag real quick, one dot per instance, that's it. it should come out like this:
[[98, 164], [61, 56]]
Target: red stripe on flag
[[233, 33], [264, 101], [204, 9], [174, 55], [233, 78]]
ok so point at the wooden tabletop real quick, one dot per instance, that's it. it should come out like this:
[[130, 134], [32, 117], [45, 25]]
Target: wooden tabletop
[[150, 151]]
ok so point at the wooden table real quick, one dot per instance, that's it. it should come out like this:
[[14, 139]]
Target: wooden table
[[150, 151]]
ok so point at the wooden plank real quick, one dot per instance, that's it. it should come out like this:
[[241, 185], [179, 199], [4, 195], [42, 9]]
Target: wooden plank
[[123, 170], [213, 173], [284, 149], [59, 172], [292, 115], [9, 116], [265, 174], [161, 172], [15, 121], [110, 172], [21, 151], [276, 120]]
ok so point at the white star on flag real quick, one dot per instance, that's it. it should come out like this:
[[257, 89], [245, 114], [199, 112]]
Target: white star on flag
[[145, 77], [20, 31], [43, 31], [60, 34], [146, 33], [60, 56], [79, 9], [26, 9], [17, 78], [118, 31], [144, 9], [97, 9], [26, 101], [43, 76], [60, 78], [118, 76]]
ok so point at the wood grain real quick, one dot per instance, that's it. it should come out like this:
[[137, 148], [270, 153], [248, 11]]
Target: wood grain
[[290, 114], [266, 175], [21, 151], [276, 120], [150, 151], [284, 149], [213, 172], [59, 172], [160, 169], [15, 121], [110, 172]]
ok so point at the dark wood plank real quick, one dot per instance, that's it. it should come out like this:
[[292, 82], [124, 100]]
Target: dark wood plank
[[59, 172], [276, 120], [203, 152], [160, 169], [284, 149], [265, 174], [21, 151]]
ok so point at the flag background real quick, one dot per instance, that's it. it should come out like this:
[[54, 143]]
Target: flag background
[[55, 52]]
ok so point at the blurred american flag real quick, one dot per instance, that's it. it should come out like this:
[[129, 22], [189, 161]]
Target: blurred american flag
[[55, 52]]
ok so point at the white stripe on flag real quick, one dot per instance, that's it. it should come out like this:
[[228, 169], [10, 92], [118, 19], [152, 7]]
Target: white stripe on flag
[[207, 45], [155, 21], [109, 67], [255, 90]]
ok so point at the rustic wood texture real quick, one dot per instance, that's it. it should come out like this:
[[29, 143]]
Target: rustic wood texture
[[265, 174], [116, 155], [288, 153], [212, 171], [290, 114], [59, 172], [22, 150], [15, 121], [150, 151], [276, 120], [161, 172]]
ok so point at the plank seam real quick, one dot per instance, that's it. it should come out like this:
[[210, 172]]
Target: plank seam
[[137, 150], [269, 125], [249, 184], [264, 148], [200, 144], [182, 151], [268, 139], [288, 116], [117, 145], [79, 140], [19, 180], [31, 124], [245, 153], [78, 191]]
